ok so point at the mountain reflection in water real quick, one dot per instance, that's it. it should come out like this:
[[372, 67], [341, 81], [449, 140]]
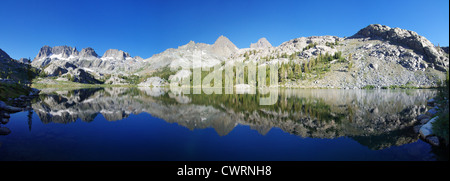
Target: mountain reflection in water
[[375, 118]]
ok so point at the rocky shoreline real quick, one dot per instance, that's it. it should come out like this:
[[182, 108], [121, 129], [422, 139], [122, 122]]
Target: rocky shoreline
[[22, 103], [425, 126]]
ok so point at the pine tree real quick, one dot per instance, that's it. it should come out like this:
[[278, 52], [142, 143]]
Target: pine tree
[[305, 67], [281, 73], [298, 71], [69, 77], [292, 56], [309, 66], [291, 74], [350, 65], [285, 72]]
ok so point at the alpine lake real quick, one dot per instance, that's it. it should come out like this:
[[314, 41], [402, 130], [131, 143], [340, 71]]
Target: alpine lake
[[146, 124]]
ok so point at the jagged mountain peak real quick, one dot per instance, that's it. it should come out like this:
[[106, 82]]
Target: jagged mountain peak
[[138, 58], [223, 47], [44, 52], [262, 43], [191, 43], [63, 51], [375, 48], [224, 42], [116, 54], [88, 52], [112, 61]]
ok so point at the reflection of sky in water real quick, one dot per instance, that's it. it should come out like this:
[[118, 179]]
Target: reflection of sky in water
[[137, 135]]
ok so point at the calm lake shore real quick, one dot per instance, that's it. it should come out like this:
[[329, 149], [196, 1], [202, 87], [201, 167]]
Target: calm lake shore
[[377, 121]]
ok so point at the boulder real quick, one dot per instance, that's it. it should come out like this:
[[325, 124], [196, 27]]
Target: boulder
[[433, 140], [11, 109], [430, 102], [180, 75], [373, 66], [4, 131], [424, 121], [4, 120], [426, 129], [432, 112], [417, 128], [374, 110], [81, 76], [115, 80], [56, 69], [34, 92], [5, 115], [153, 81], [422, 116]]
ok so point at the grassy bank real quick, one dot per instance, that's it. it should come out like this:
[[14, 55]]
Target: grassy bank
[[441, 125], [71, 85], [12, 90]]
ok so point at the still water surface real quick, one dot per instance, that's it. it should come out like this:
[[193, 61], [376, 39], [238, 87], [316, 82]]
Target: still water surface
[[158, 124]]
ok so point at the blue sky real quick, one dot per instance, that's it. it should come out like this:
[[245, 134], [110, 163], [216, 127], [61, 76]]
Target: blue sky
[[144, 28]]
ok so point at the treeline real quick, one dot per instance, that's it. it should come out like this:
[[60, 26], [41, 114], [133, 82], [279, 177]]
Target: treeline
[[292, 70], [315, 66], [248, 103]]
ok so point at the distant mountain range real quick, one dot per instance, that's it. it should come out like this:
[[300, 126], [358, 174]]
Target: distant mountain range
[[376, 55], [112, 61]]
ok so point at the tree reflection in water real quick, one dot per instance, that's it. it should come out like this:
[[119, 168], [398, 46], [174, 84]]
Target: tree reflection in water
[[375, 118]]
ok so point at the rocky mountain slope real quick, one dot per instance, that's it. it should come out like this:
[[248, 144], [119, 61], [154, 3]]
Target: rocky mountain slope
[[376, 56], [15, 70], [113, 61], [183, 56], [408, 39], [4, 55]]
